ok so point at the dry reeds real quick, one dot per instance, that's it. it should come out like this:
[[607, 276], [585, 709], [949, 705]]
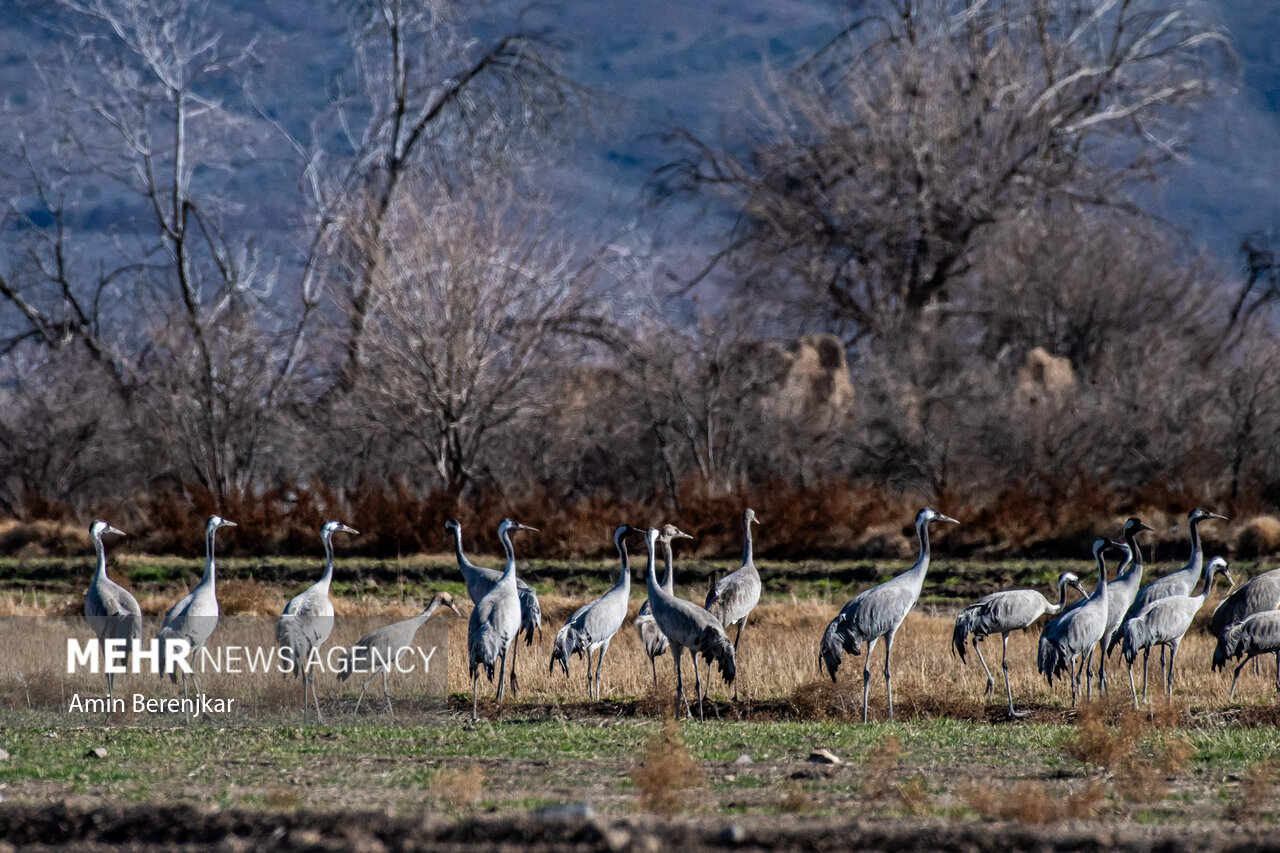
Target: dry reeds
[[666, 771]]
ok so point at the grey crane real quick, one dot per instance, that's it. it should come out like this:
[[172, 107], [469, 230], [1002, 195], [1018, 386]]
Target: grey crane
[[109, 608], [480, 580], [495, 623], [651, 636], [687, 626], [1258, 634], [1165, 621], [194, 617], [1181, 582], [1073, 635], [878, 612], [1120, 594], [1003, 613], [1256, 595], [377, 651], [593, 625], [732, 598], [307, 620]]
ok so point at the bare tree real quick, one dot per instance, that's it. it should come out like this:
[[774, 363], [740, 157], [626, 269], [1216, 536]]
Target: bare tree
[[481, 310], [878, 167]]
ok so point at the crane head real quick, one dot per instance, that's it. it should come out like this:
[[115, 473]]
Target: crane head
[[453, 525], [1199, 514], [332, 527], [100, 527], [216, 521], [1070, 578], [670, 532], [509, 526], [1134, 525], [749, 517], [446, 600], [929, 514], [621, 532], [1218, 566]]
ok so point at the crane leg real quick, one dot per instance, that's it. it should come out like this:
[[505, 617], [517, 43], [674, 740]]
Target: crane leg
[[515, 648], [604, 647], [1075, 679], [1232, 693], [866, 679], [991, 682], [1146, 657], [312, 680], [653, 663], [1278, 671], [387, 693], [502, 678], [676, 653], [475, 695], [1168, 680], [1088, 676], [360, 698], [185, 709], [888, 681], [1004, 665], [1132, 687], [742, 626], [697, 685], [1102, 664]]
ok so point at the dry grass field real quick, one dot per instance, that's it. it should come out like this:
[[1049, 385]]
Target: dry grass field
[[778, 668]]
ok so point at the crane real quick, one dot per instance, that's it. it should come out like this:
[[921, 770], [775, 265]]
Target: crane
[[1120, 594], [651, 636], [1165, 622], [1003, 613], [193, 618], [480, 580], [495, 623], [1181, 582], [1258, 634], [109, 608], [1074, 634], [687, 626], [593, 625], [734, 596], [879, 612], [307, 620], [377, 651]]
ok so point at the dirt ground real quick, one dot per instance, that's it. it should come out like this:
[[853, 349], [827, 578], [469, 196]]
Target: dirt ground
[[149, 827]]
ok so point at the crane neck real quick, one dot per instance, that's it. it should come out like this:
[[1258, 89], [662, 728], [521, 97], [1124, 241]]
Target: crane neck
[[668, 581], [1208, 581], [327, 538], [747, 556], [209, 569], [1197, 550], [509, 572], [624, 575], [421, 618], [651, 579], [1102, 576], [1135, 550], [100, 573], [1062, 596], [457, 545], [922, 562]]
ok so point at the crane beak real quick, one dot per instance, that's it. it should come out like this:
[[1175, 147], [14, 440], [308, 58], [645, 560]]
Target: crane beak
[[680, 534], [454, 608], [111, 529], [345, 529], [1079, 586], [226, 523], [1219, 517], [520, 526], [1142, 525], [948, 518]]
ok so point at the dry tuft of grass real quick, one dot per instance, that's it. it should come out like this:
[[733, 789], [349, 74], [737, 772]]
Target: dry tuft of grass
[[796, 801], [913, 794], [251, 597], [1032, 802], [1102, 745], [666, 771], [460, 787], [1259, 537], [1257, 792], [880, 768]]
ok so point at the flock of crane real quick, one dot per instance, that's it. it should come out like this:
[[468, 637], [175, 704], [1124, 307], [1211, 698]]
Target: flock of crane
[[1120, 612]]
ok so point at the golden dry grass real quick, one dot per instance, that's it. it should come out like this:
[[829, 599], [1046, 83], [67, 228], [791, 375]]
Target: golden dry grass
[[778, 664]]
